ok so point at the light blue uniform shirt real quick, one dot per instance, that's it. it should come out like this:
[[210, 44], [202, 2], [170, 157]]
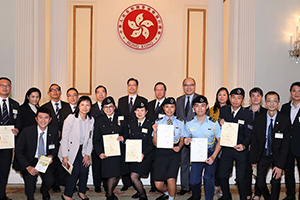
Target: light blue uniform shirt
[[208, 129], [178, 127]]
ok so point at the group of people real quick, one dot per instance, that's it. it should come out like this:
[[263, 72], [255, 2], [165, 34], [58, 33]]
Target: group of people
[[72, 134]]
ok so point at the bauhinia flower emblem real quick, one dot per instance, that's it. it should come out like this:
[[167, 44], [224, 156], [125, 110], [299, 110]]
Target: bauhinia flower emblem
[[140, 26]]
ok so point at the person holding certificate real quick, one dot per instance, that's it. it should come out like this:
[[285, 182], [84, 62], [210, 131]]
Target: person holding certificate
[[76, 147], [141, 128], [241, 119], [167, 159], [35, 142], [203, 126], [109, 137]]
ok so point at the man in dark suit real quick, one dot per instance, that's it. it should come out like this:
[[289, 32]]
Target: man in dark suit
[[59, 111], [72, 96], [270, 145], [155, 110], [101, 94], [126, 107], [185, 112], [291, 109], [37, 140], [235, 113], [8, 116]]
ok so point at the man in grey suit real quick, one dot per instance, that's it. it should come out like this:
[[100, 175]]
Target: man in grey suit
[[184, 111]]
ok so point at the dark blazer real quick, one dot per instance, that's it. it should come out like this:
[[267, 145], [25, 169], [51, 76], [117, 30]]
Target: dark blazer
[[96, 111], [262, 110], [280, 147], [26, 145], [245, 127], [152, 113], [27, 116], [180, 108], [295, 129], [123, 106], [63, 114], [14, 112]]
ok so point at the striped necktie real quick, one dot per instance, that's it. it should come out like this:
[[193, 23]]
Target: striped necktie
[[5, 116], [169, 122], [269, 139], [57, 110]]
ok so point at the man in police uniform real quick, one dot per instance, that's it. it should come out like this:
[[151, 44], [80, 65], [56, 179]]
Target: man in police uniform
[[237, 114], [203, 126]]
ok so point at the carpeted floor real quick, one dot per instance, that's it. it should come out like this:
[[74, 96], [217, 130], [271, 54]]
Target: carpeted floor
[[16, 192]]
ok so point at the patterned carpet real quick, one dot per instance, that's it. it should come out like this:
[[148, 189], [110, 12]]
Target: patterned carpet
[[16, 192]]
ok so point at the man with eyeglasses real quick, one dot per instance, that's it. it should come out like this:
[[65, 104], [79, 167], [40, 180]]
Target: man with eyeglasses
[[270, 145], [126, 106], [8, 116], [96, 111], [72, 97], [59, 111], [291, 109], [185, 112]]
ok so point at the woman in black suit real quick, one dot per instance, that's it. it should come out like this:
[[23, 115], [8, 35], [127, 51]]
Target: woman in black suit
[[29, 108], [141, 128], [112, 166]]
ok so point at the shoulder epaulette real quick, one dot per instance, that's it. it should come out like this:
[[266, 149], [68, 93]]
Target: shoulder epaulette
[[158, 119], [179, 119], [190, 119], [212, 119]]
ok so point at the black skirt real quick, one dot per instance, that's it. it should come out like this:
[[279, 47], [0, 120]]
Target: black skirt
[[142, 168]]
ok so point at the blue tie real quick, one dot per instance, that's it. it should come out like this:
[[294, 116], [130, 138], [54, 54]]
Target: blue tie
[[130, 104], [41, 149], [269, 142], [5, 116]]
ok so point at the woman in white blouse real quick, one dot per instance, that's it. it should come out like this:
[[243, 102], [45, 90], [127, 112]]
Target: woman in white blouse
[[76, 146]]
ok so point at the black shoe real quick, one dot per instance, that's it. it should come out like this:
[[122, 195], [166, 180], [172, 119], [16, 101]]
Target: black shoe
[[152, 190], [86, 198], [136, 196], [62, 197], [124, 188], [98, 189], [46, 196], [5, 198], [192, 198], [143, 198], [87, 188], [56, 189], [163, 197], [182, 192]]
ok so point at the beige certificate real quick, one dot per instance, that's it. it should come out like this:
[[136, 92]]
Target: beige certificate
[[229, 134], [198, 149], [133, 150], [43, 164], [7, 138], [111, 145], [165, 136]]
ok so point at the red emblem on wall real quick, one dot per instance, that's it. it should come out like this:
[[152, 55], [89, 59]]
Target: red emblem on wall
[[140, 26]]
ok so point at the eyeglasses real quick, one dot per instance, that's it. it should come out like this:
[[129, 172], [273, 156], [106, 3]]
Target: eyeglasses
[[130, 85], [5, 85], [108, 107], [54, 89], [188, 85], [271, 101], [73, 95]]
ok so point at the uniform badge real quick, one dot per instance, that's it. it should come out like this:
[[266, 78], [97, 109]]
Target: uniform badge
[[144, 130], [201, 100], [108, 101], [120, 118], [239, 91], [171, 101]]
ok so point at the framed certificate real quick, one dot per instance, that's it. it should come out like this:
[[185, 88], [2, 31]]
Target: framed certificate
[[199, 149], [133, 150], [111, 145], [7, 138], [229, 134], [165, 136]]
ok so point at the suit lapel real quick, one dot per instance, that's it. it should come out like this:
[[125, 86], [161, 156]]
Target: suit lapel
[[35, 139], [297, 115]]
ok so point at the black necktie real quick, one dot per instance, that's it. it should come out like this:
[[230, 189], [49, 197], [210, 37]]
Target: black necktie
[[5, 117], [269, 142], [187, 107], [130, 104], [140, 124], [110, 119], [157, 106], [232, 114]]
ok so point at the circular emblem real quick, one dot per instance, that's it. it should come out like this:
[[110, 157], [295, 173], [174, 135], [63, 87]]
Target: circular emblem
[[140, 26], [239, 91]]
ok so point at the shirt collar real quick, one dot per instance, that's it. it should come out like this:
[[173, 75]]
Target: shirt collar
[[142, 121], [39, 130], [53, 104], [298, 105]]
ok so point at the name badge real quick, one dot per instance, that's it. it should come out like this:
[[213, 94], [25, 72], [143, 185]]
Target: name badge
[[241, 122], [52, 146], [279, 135], [120, 118], [299, 119], [144, 130], [162, 115], [15, 111], [192, 129]]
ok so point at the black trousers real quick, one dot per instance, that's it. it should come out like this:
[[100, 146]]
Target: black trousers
[[5, 157], [80, 173], [248, 178], [262, 169], [225, 169], [96, 168], [290, 174], [30, 182]]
